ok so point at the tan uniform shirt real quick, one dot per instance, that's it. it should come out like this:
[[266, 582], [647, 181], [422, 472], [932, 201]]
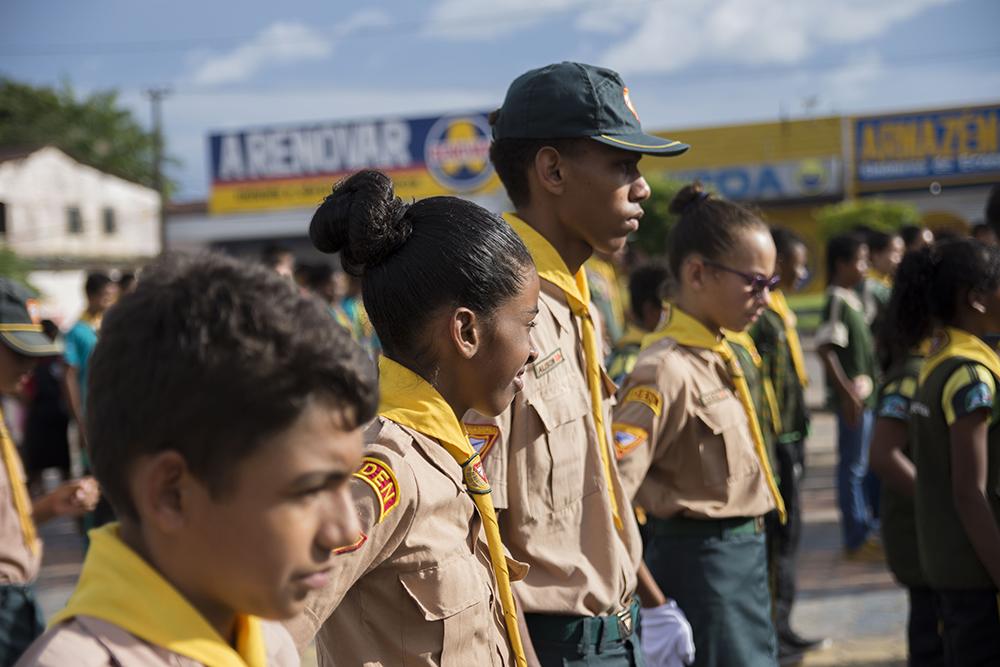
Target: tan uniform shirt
[[85, 641], [17, 564], [420, 590], [545, 466], [695, 458]]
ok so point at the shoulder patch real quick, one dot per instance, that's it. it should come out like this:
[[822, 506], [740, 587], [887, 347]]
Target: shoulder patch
[[547, 363], [482, 437], [627, 438], [382, 480], [894, 406], [646, 395], [978, 397], [348, 548]]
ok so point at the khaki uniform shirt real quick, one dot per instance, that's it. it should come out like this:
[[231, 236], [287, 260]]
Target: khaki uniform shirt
[[695, 458], [85, 641], [545, 467], [17, 564], [420, 589]]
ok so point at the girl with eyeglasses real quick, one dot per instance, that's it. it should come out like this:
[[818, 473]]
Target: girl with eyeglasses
[[689, 441], [847, 350]]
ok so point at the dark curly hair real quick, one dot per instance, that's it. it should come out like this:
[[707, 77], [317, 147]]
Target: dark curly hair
[[210, 356], [417, 258]]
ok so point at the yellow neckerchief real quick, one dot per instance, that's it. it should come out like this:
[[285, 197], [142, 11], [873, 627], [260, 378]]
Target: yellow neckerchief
[[94, 320], [780, 306], [744, 340], [118, 586], [879, 277], [18, 490], [409, 400], [953, 342], [689, 332], [551, 267]]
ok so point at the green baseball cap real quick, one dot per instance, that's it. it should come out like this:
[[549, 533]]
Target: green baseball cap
[[569, 100], [18, 329]]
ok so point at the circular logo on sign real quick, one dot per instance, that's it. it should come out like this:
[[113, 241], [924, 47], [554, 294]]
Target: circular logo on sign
[[812, 177], [457, 152]]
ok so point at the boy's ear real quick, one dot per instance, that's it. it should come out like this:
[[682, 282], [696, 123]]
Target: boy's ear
[[464, 332], [548, 169], [161, 489]]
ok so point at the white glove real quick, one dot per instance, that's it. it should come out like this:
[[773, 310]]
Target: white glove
[[667, 640]]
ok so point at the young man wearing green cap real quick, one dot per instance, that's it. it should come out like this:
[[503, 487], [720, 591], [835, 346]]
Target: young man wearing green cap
[[566, 144], [22, 344]]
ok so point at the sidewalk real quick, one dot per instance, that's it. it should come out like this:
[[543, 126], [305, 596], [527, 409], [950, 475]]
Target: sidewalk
[[857, 605]]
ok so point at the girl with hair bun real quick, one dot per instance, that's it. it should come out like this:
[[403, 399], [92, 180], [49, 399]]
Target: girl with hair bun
[[452, 294], [954, 292], [689, 441]]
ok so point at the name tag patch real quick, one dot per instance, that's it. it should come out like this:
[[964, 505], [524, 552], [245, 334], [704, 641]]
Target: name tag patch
[[482, 437], [648, 396], [627, 438], [382, 481], [714, 396], [551, 360]]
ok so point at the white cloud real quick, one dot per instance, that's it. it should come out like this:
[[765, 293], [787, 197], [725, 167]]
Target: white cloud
[[670, 35], [283, 42], [471, 20]]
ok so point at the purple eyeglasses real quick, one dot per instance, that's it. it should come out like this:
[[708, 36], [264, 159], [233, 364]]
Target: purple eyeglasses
[[755, 281]]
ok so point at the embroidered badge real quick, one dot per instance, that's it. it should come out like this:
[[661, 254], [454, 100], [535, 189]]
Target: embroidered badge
[[978, 397], [348, 548], [919, 409], [894, 407], [482, 437], [382, 480], [714, 396], [627, 438], [553, 359], [475, 476], [628, 103], [648, 396]]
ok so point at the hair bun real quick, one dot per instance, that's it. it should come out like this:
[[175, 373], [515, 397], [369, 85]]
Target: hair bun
[[363, 219], [687, 196]]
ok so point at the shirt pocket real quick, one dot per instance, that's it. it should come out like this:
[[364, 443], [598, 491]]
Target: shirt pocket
[[557, 471], [725, 448], [453, 598]]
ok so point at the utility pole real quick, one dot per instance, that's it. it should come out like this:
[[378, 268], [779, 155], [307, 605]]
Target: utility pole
[[156, 96]]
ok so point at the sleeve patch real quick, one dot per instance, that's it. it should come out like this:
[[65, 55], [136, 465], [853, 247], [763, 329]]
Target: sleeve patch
[[978, 396], [382, 481], [627, 438], [348, 548], [482, 437], [648, 396], [894, 406], [970, 388]]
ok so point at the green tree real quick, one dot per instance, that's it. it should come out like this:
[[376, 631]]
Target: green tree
[[95, 129], [657, 220], [13, 267], [876, 214]]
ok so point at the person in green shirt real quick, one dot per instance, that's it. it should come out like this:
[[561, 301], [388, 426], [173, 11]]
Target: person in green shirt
[[892, 461], [885, 252], [955, 439], [778, 343], [848, 354], [647, 288]]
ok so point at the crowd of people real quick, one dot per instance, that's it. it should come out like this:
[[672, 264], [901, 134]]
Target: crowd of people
[[473, 448]]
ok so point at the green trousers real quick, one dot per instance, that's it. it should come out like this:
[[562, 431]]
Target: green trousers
[[717, 573]]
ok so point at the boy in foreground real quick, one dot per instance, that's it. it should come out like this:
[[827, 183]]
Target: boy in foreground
[[223, 421]]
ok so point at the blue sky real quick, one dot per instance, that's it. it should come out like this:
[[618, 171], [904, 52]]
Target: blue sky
[[687, 62]]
